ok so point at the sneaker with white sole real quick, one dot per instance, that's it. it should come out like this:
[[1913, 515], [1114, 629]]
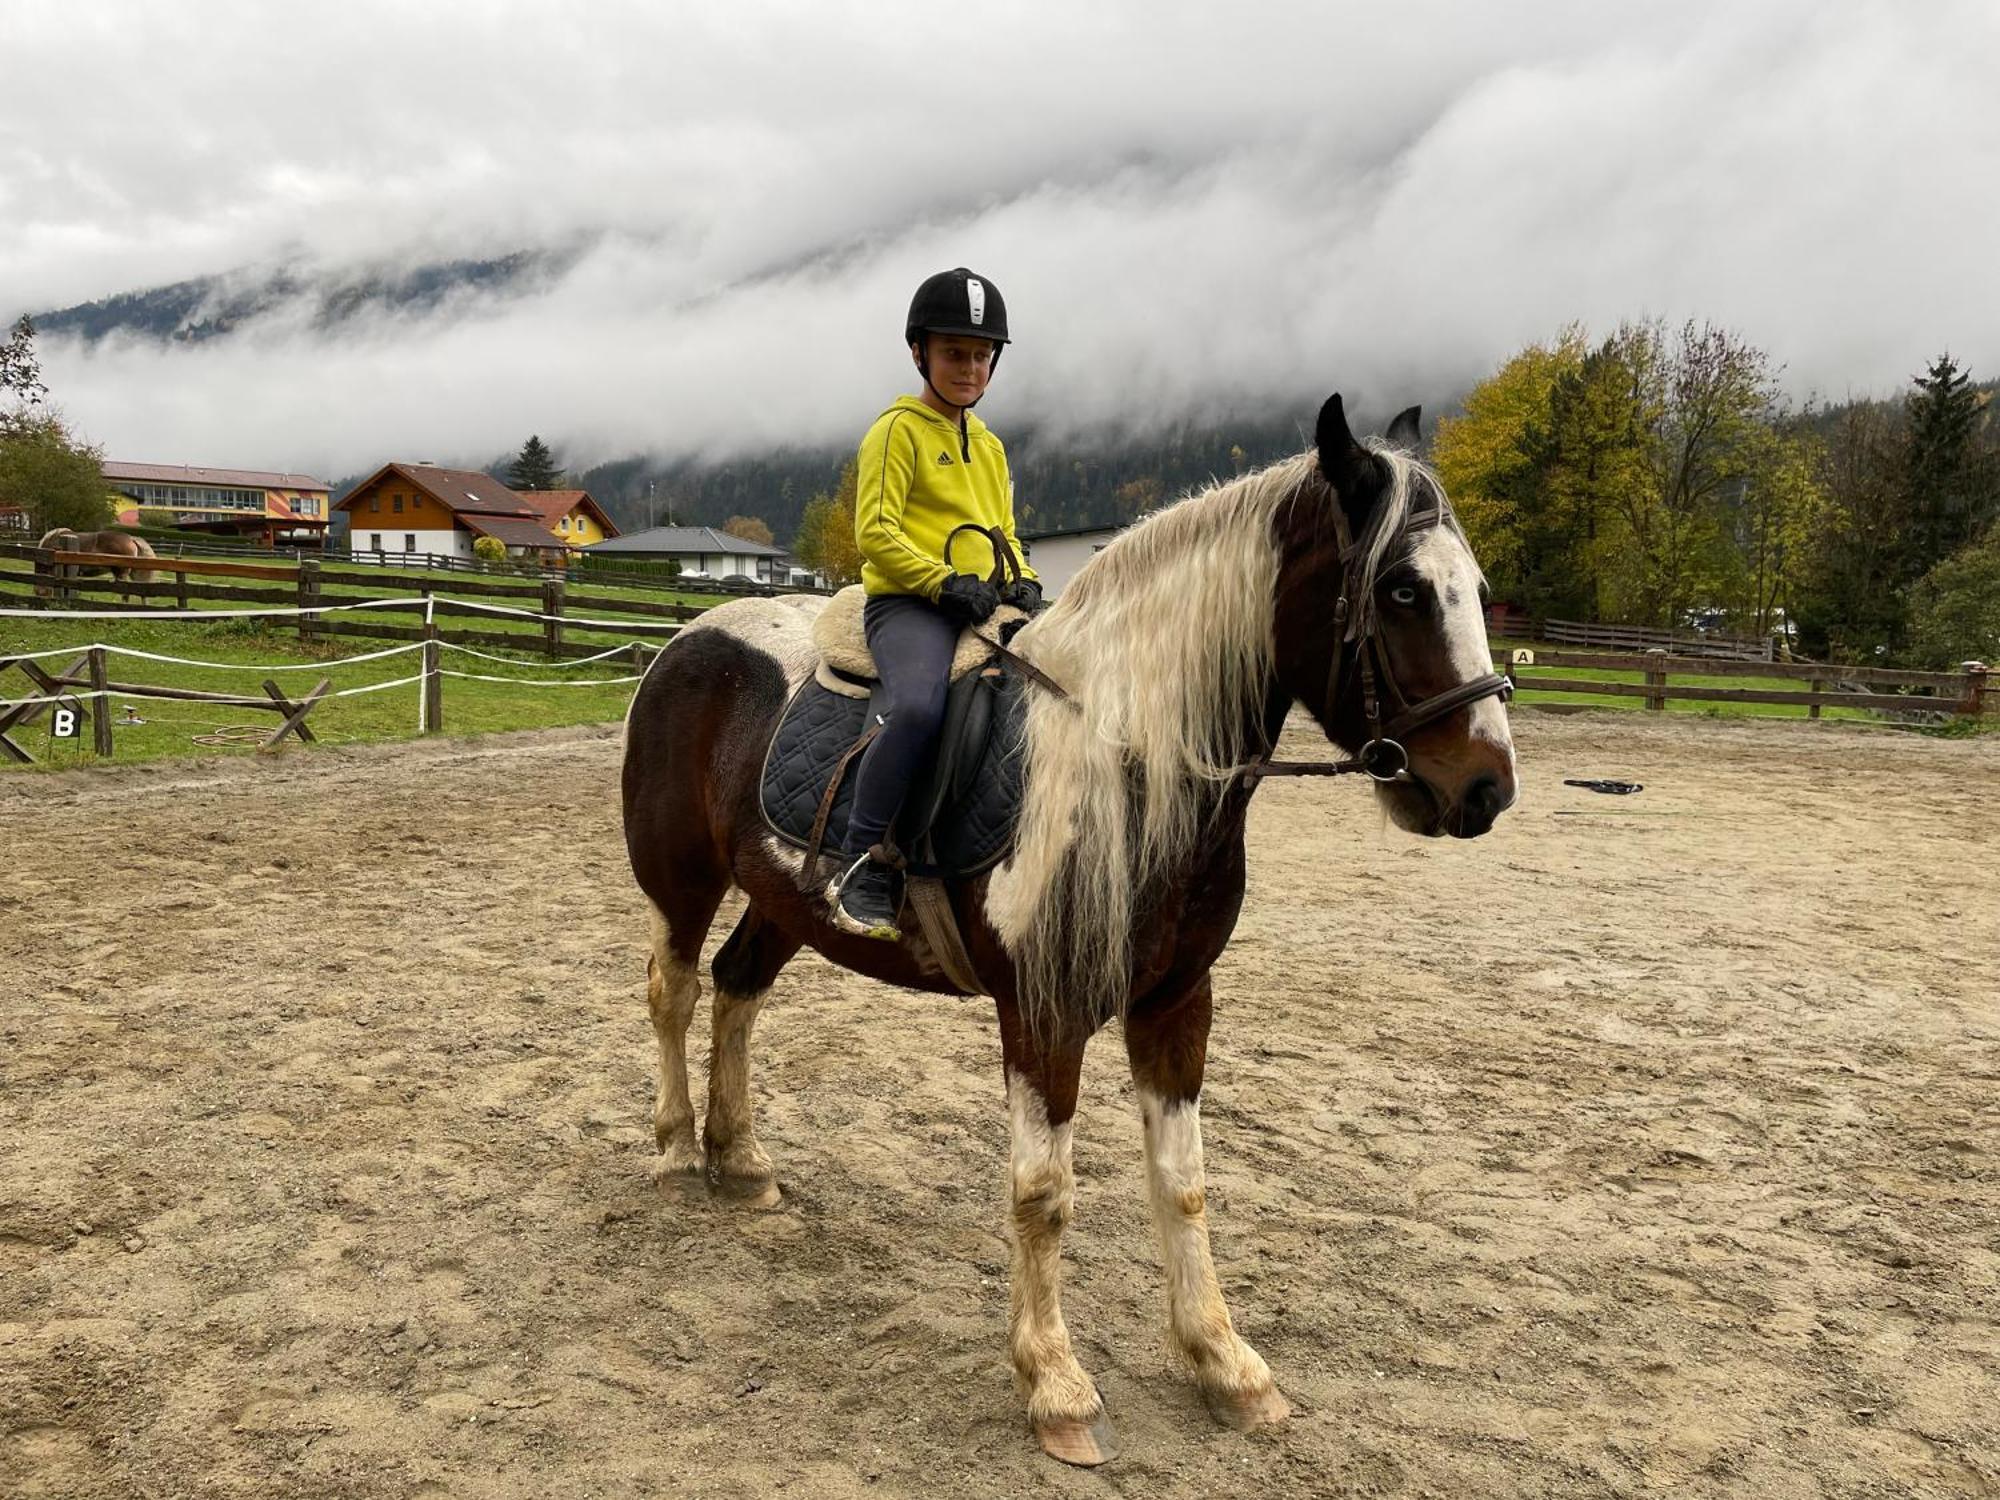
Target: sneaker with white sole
[[863, 900]]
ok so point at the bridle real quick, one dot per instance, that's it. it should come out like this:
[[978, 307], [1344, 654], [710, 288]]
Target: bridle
[[1383, 757]]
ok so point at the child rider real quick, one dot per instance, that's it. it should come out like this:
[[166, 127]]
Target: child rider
[[927, 465]]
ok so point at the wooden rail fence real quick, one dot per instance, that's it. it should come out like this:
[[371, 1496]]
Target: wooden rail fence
[[304, 586], [1968, 691], [1646, 638], [91, 673]]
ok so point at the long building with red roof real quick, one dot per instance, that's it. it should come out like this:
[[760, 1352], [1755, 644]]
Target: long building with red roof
[[267, 505]]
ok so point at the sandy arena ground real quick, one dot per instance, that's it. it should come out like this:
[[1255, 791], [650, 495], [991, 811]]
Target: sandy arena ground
[[1642, 1147]]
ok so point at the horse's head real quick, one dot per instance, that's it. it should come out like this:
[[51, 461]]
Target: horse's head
[[1381, 634]]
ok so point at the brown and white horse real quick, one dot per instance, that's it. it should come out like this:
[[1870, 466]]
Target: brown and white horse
[[103, 543], [1323, 580]]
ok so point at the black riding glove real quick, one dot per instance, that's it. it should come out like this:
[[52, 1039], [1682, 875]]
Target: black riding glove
[[966, 600], [1023, 594]]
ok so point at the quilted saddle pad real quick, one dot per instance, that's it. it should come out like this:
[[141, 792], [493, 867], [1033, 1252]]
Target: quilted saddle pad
[[959, 816]]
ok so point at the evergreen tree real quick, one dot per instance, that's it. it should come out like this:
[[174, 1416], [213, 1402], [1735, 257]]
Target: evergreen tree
[[534, 468], [1952, 481]]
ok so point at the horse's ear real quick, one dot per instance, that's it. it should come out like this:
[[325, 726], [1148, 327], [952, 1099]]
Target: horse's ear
[[1339, 454], [1402, 432], [1347, 465]]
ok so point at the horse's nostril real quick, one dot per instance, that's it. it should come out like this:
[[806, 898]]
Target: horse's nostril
[[1483, 800]]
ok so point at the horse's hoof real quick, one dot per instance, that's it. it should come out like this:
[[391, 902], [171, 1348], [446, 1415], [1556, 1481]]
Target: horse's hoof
[[1085, 1444], [675, 1174], [748, 1192], [1244, 1410]]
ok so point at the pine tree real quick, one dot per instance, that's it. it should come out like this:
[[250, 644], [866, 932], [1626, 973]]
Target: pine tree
[[534, 468], [1952, 484]]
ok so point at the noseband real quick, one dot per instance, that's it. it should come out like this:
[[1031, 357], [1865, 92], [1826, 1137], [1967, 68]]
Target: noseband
[[1383, 757]]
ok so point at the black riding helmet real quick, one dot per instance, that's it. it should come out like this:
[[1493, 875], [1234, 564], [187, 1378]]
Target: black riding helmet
[[956, 302]]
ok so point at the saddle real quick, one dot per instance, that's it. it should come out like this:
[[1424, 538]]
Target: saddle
[[958, 818], [959, 815]]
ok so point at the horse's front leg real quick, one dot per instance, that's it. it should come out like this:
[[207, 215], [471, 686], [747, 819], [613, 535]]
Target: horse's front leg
[[1063, 1404], [1168, 1047]]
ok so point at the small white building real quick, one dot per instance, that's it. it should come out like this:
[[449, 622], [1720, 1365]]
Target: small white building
[[1057, 555], [702, 552]]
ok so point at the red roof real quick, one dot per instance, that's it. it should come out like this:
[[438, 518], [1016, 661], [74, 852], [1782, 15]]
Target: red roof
[[464, 491], [262, 479]]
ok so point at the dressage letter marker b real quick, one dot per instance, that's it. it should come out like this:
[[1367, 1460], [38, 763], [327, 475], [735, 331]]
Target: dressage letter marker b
[[64, 725]]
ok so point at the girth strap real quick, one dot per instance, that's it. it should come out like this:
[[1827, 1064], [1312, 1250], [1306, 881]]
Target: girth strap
[[932, 903]]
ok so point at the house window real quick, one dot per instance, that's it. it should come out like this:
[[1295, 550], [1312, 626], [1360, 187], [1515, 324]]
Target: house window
[[375, 502], [374, 541], [396, 504], [409, 541]]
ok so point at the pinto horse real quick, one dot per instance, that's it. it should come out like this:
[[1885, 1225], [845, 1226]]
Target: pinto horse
[[1337, 580], [103, 543]]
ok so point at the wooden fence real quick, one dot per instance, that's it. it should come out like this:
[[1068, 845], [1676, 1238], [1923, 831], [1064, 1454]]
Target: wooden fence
[[601, 571], [1644, 638], [303, 586], [1967, 691]]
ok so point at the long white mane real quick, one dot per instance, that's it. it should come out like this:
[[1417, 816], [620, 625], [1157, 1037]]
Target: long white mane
[[1165, 643]]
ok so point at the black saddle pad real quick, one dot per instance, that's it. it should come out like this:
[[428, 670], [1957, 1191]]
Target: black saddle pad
[[958, 818]]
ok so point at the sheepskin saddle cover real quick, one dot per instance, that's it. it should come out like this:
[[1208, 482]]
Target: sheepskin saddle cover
[[847, 668]]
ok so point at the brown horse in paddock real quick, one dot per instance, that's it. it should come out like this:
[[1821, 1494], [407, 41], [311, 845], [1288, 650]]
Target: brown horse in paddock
[[1336, 580], [104, 543]]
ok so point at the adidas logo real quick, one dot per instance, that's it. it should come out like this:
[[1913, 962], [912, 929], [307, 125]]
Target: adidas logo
[[944, 459]]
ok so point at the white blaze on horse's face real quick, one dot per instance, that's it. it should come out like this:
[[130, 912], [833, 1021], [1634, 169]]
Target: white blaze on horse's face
[[1464, 761]]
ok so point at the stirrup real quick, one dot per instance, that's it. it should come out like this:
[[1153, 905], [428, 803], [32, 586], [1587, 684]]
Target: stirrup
[[846, 922]]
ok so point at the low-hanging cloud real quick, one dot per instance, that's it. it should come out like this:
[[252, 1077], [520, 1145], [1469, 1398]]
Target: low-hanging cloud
[[1190, 214]]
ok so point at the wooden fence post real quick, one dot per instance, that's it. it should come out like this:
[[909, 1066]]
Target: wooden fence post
[[1814, 685], [639, 657], [1656, 679], [1976, 685], [433, 681], [100, 712], [308, 598], [552, 606]]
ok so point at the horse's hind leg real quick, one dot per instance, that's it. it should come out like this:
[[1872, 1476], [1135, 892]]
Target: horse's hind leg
[[673, 984], [743, 971], [1167, 1045]]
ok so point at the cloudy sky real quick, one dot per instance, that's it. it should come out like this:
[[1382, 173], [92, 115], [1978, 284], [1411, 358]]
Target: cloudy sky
[[1191, 209]]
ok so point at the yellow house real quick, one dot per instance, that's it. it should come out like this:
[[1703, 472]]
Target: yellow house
[[572, 516]]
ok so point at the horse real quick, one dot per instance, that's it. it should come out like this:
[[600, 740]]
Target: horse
[[1337, 580], [109, 543]]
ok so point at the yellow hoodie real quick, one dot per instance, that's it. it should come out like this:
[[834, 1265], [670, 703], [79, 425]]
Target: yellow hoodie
[[915, 480]]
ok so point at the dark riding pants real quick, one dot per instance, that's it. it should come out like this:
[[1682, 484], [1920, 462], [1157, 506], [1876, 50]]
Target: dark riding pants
[[912, 643]]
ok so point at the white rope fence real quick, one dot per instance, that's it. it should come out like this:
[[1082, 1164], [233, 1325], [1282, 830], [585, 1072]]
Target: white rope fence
[[422, 679]]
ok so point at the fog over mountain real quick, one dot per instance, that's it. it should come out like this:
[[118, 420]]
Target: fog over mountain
[[378, 230]]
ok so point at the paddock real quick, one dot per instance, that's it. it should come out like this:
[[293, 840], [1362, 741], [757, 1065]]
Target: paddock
[[1646, 1145]]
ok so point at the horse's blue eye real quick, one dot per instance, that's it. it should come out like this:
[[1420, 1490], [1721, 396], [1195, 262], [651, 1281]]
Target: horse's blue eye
[[1405, 595]]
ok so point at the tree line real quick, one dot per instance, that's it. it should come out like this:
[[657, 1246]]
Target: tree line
[[1656, 476]]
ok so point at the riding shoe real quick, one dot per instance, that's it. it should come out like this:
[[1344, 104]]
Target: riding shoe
[[864, 901]]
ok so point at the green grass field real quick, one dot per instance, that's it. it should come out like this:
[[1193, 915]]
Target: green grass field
[[469, 707], [171, 727]]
